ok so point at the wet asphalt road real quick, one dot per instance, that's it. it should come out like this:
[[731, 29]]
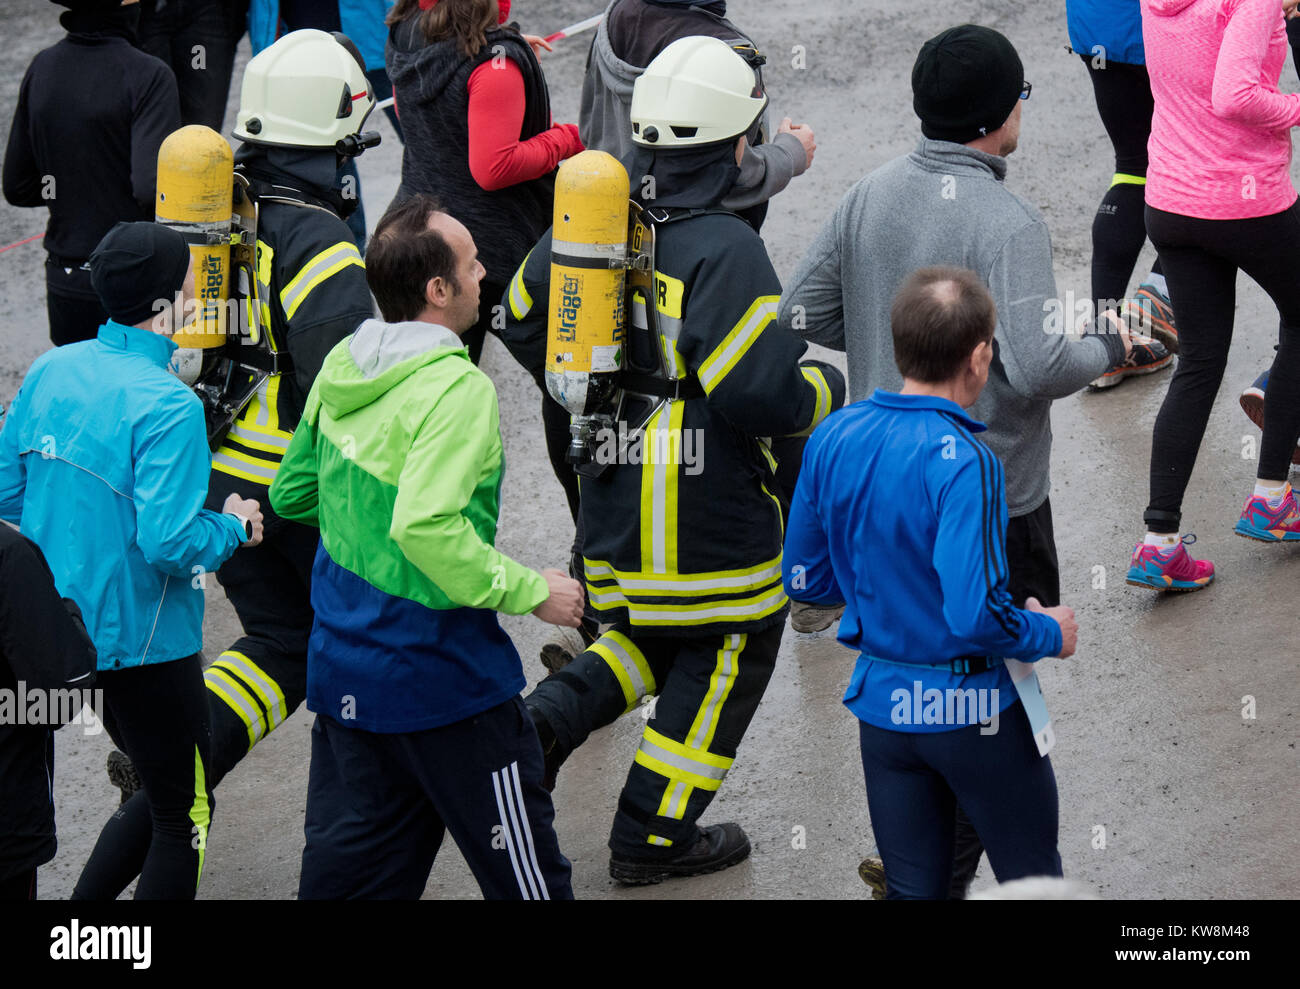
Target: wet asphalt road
[[1153, 752]]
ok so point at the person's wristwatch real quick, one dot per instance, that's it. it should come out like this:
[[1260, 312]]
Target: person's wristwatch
[[245, 523]]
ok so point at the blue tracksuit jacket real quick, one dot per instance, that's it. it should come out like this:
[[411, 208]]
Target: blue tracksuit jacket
[[900, 514]]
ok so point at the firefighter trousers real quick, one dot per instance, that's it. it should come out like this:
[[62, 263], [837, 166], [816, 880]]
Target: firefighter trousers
[[262, 677], [697, 695]]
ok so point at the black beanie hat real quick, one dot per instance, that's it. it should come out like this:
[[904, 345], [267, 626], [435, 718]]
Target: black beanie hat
[[137, 265], [965, 83]]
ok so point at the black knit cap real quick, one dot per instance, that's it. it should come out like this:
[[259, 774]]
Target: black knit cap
[[136, 266], [965, 83]]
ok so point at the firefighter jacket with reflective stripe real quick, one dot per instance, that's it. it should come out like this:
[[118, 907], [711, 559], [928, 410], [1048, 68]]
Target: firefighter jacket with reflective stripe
[[683, 531], [312, 292]]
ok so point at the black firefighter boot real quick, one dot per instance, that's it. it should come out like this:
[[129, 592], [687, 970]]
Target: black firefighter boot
[[718, 847]]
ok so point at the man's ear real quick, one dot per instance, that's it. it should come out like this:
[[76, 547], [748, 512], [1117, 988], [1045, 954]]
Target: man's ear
[[435, 292]]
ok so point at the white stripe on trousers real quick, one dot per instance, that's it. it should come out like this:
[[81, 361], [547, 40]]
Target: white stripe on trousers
[[505, 782]]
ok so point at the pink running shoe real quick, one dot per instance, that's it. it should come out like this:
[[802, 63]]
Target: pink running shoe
[[1270, 525], [1169, 569]]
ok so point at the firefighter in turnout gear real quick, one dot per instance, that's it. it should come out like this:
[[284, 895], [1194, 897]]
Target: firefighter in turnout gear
[[303, 103], [681, 517]]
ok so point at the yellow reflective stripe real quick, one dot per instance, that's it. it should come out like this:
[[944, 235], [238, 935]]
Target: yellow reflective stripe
[[271, 388], [1121, 179], [263, 476], [265, 258], [242, 465], [692, 767], [657, 585], [748, 609], [270, 442], [701, 761], [200, 811], [521, 303], [814, 377], [273, 702], [628, 664], [315, 271], [736, 344], [766, 451], [654, 839], [654, 483], [720, 683], [673, 804], [768, 569], [237, 699]]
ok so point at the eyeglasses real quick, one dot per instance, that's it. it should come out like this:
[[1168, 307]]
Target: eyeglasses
[[1029, 88]]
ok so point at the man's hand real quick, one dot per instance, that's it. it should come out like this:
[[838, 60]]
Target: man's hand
[[249, 509], [1064, 617], [540, 44], [1289, 8], [564, 604], [805, 135]]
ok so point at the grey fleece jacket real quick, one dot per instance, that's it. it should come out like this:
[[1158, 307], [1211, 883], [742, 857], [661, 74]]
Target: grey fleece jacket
[[946, 204], [604, 116]]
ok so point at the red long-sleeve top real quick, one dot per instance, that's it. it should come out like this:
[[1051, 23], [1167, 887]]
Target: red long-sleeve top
[[497, 157]]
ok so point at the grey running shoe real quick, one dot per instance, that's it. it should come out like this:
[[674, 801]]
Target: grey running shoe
[[122, 774], [814, 617], [872, 871]]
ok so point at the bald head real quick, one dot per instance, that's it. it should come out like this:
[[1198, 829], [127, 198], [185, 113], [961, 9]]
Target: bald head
[[940, 315]]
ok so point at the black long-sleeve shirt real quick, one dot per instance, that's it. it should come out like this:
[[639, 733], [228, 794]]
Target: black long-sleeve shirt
[[92, 111]]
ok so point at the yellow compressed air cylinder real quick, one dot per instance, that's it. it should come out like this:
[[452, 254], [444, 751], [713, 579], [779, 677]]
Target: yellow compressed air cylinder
[[195, 198], [585, 326]]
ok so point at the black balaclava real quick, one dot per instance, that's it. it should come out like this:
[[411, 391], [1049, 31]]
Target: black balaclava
[[311, 171], [697, 177], [100, 18]]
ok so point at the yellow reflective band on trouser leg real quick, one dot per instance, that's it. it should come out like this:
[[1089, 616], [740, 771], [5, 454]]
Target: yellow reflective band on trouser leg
[[200, 811], [238, 700], [720, 683], [1120, 178], [255, 679], [628, 664], [686, 769]]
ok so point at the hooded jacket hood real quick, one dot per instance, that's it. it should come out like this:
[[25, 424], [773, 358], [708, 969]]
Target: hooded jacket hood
[[1168, 8], [377, 358], [428, 68]]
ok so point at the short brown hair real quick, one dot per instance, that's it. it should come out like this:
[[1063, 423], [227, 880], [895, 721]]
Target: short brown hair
[[404, 255], [468, 21], [939, 316]]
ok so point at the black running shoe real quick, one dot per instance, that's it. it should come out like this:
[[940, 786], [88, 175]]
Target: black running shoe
[[718, 847]]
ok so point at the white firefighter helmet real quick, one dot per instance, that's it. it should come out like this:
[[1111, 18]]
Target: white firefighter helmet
[[308, 90], [697, 91]]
